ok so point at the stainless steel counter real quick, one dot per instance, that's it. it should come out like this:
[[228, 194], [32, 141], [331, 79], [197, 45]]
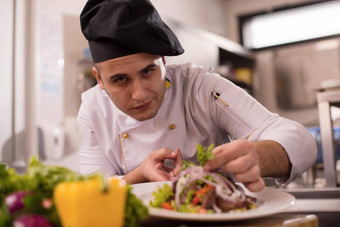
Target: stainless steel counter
[[322, 202], [325, 100]]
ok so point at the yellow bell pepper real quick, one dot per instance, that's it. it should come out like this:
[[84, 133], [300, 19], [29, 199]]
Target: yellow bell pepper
[[87, 203]]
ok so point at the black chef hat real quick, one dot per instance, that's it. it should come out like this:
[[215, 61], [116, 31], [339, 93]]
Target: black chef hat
[[116, 28]]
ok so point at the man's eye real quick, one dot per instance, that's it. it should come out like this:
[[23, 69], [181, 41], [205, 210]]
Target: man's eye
[[147, 72], [120, 79]]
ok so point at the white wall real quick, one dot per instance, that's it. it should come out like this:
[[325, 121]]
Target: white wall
[[50, 38], [57, 96], [6, 43], [205, 14]]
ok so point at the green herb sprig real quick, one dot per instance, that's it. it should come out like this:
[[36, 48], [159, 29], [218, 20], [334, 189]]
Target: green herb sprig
[[204, 154]]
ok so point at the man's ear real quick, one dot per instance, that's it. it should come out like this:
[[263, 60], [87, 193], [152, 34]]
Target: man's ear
[[98, 77], [164, 62]]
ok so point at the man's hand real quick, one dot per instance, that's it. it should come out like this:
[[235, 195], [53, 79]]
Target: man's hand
[[240, 158], [153, 167]]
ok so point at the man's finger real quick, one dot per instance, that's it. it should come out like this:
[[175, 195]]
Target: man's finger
[[164, 153], [169, 154], [222, 154], [161, 177], [255, 186], [227, 152], [178, 163], [250, 175], [242, 163]]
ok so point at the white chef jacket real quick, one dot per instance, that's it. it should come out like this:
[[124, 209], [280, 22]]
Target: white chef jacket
[[114, 143]]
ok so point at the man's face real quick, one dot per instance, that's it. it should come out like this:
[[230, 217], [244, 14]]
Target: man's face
[[135, 83]]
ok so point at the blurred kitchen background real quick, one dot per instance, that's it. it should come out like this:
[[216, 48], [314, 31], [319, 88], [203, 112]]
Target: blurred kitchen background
[[286, 53]]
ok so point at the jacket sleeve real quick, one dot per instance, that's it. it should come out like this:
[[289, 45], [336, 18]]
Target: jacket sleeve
[[245, 118], [91, 156]]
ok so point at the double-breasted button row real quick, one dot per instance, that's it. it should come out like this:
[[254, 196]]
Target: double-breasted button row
[[126, 135]]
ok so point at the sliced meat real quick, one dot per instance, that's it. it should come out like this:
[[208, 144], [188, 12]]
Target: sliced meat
[[192, 186], [209, 199]]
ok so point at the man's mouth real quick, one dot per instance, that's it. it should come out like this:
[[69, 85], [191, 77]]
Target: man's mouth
[[143, 106]]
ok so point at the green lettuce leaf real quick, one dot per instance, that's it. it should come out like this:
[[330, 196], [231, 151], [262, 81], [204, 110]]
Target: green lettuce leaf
[[161, 195]]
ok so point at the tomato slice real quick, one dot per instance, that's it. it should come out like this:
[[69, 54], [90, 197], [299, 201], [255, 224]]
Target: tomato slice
[[202, 211], [196, 200], [167, 206], [204, 190]]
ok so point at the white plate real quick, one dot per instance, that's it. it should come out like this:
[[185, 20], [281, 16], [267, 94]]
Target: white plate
[[271, 201]]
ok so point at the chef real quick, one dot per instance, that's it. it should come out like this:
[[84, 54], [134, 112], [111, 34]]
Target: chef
[[145, 117]]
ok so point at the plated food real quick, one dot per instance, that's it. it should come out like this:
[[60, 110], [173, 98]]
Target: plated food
[[269, 201], [198, 191], [197, 195], [195, 190]]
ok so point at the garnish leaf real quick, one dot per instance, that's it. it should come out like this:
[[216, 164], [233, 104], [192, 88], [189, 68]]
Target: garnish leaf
[[204, 154]]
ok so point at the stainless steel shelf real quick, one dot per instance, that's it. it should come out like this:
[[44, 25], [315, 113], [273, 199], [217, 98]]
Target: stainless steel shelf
[[326, 99]]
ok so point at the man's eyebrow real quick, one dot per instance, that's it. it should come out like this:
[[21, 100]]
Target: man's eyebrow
[[114, 76], [152, 65]]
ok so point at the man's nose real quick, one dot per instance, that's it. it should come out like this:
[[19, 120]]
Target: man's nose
[[138, 91]]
